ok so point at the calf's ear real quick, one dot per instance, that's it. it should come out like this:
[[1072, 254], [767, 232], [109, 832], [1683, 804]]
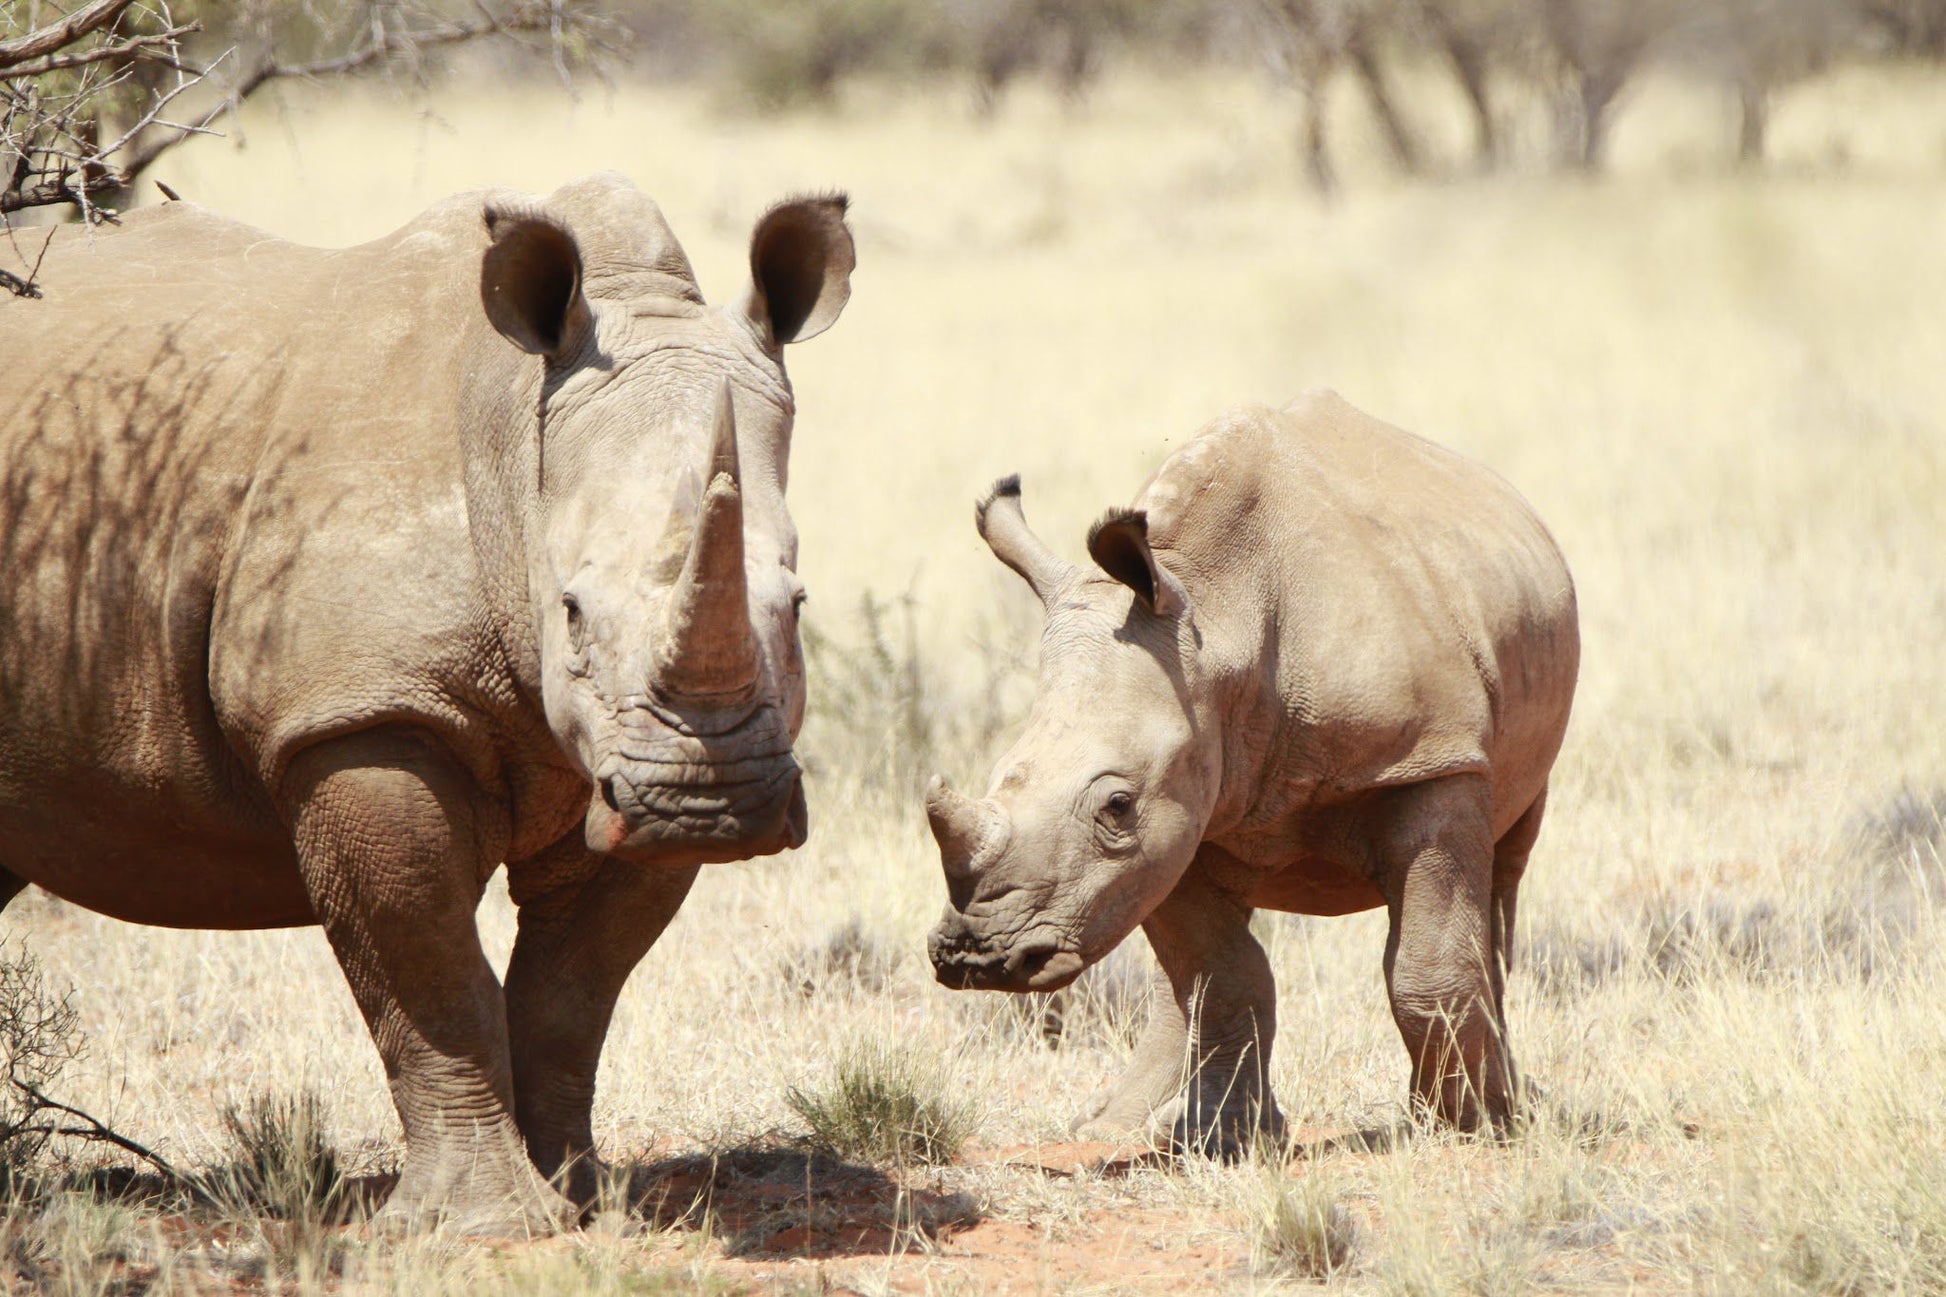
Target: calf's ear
[[530, 281], [1119, 543], [801, 257]]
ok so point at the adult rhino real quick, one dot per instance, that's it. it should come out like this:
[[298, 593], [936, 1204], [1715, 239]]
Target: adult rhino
[[331, 580], [1322, 666]]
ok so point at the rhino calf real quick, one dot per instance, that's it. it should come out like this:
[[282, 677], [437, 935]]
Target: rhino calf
[[1322, 666]]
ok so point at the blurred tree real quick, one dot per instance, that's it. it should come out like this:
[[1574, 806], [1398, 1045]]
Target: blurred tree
[[1915, 27], [92, 94], [1757, 46], [1306, 41], [1596, 47], [1064, 39], [1472, 35], [786, 52]]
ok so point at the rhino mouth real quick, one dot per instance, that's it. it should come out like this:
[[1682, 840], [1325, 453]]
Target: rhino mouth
[[1034, 961], [679, 813]]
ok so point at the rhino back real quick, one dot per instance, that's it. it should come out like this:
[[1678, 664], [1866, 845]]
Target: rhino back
[[1399, 610], [216, 428]]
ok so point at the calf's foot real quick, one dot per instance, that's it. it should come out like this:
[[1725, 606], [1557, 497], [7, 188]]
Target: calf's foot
[[1200, 1082], [1130, 1108]]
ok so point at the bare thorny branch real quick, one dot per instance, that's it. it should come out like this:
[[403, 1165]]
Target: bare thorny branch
[[91, 99], [39, 1038], [94, 1131]]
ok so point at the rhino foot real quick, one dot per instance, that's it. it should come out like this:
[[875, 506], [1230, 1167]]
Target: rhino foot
[[1236, 1127], [469, 1201], [1125, 1113]]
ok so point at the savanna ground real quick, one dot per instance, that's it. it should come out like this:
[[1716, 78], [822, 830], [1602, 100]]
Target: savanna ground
[[1725, 392]]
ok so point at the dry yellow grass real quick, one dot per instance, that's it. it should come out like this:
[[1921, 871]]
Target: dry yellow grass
[[1727, 394]]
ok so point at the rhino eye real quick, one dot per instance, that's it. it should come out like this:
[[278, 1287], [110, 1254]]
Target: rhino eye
[[577, 627], [1118, 803]]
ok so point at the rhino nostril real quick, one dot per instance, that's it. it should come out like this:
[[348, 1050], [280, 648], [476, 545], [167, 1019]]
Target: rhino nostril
[[608, 794]]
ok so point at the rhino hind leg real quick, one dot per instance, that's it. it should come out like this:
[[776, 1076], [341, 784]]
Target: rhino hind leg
[[1202, 1072], [1509, 864], [1437, 858], [575, 948], [394, 843]]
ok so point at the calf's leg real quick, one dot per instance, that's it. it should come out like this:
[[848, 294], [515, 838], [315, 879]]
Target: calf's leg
[[576, 946], [1509, 864], [1225, 999], [1155, 1072], [1436, 857], [395, 843]]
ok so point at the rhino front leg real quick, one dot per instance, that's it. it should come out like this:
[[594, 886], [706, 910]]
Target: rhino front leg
[[395, 842], [576, 946], [1437, 854], [1154, 1076], [1211, 1037]]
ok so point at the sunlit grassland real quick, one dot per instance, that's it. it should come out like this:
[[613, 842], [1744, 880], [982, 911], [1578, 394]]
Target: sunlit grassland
[[1725, 392]]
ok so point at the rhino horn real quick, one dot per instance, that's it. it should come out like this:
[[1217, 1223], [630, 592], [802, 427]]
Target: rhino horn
[[968, 833], [1003, 526], [707, 647]]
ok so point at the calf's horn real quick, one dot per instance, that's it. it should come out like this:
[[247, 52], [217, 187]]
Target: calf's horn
[[968, 834], [1003, 526], [707, 645]]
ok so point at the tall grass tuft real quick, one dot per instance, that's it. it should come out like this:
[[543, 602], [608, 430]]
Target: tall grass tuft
[[1302, 1230], [884, 1104], [281, 1162]]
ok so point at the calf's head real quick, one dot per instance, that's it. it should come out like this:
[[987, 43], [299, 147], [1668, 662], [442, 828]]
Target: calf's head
[[1094, 814], [659, 556]]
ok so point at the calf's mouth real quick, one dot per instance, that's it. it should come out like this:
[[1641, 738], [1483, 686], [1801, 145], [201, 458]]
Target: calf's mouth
[[1036, 960]]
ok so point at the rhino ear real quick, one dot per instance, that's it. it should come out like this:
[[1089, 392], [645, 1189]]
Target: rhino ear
[[801, 257], [530, 281], [1119, 543]]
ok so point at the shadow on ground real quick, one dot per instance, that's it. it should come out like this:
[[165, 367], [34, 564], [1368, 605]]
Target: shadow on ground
[[765, 1200]]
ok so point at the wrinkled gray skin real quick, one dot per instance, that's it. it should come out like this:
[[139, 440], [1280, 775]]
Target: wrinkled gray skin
[[331, 580], [1323, 666]]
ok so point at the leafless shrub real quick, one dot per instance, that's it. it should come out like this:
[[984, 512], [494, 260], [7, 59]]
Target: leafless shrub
[[39, 1039], [92, 96]]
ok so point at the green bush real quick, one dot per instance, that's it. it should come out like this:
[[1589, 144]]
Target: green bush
[[882, 1104]]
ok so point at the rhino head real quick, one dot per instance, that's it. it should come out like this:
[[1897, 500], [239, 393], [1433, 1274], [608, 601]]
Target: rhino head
[[1094, 814], [659, 555]]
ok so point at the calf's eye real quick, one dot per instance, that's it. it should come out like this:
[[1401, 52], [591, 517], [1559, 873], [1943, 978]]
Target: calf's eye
[[577, 626], [1118, 803]]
